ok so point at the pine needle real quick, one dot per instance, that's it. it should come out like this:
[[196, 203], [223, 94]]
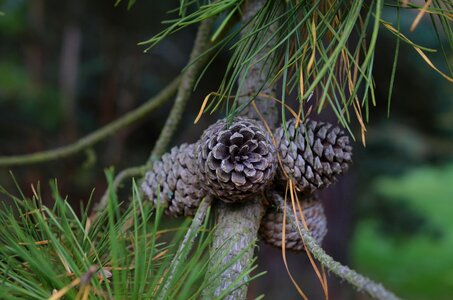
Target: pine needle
[[296, 285], [420, 15], [294, 200]]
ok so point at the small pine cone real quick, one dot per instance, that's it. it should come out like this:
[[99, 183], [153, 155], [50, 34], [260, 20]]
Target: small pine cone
[[271, 225], [236, 160], [314, 155], [174, 182]]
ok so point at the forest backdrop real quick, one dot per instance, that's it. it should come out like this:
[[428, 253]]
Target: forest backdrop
[[67, 68]]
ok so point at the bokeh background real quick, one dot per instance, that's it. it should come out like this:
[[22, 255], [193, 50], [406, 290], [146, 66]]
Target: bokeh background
[[70, 67]]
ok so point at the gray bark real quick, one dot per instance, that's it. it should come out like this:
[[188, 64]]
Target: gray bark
[[236, 231]]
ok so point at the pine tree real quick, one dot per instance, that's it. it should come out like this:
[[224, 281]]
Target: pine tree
[[257, 168]]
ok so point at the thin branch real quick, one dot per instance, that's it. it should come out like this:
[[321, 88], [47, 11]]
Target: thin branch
[[360, 282], [96, 136], [186, 244], [188, 79], [119, 178]]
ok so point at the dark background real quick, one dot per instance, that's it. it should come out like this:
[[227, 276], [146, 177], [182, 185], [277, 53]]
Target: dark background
[[70, 67]]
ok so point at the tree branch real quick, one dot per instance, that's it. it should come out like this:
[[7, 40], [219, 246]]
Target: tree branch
[[186, 244], [360, 282], [119, 178], [236, 230], [185, 87], [237, 225], [188, 78], [96, 136]]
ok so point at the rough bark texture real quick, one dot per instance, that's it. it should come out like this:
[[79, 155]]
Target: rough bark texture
[[187, 243], [237, 225]]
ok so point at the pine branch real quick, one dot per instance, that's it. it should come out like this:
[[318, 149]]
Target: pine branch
[[186, 86], [360, 282], [237, 225], [85, 142], [186, 244], [236, 230], [119, 178]]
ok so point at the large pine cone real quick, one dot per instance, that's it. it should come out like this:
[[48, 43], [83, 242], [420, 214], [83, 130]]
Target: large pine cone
[[313, 154], [174, 182], [236, 159], [271, 225]]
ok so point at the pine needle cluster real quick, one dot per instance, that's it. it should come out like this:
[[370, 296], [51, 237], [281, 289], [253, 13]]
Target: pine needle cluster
[[126, 252], [325, 49]]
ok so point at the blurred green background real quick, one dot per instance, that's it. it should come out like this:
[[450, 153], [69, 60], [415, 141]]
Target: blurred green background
[[67, 68]]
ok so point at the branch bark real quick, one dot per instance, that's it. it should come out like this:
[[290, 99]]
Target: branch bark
[[186, 244], [237, 225], [360, 282], [96, 136]]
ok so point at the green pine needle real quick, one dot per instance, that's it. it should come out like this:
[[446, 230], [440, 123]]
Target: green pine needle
[[123, 254], [331, 43]]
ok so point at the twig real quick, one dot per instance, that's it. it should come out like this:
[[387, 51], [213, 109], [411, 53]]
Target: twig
[[360, 282], [242, 221], [96, 136], [188, 78], [124, 174], [187, 243]]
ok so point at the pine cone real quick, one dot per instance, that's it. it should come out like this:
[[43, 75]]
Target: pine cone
[[271, 225], [174, 182], [236, 160], [314, 155]]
